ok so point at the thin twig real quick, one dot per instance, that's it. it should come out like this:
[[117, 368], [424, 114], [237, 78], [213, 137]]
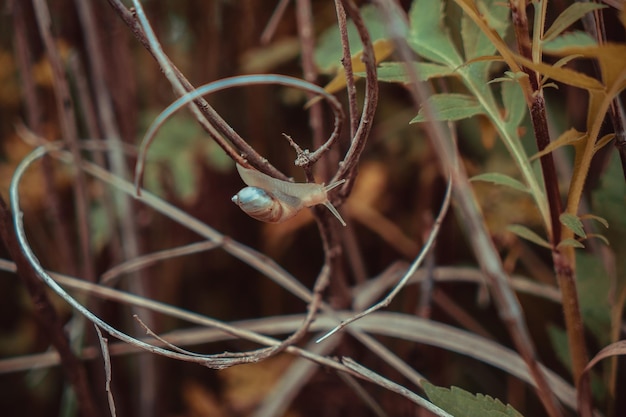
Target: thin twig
[[370, 375], [304, 18], [410, 272], [104, 347], [226, 83], [60, 226], [270, 28], [346, 61], [347, 168], [135, 264], [46, 315], [67, 119]]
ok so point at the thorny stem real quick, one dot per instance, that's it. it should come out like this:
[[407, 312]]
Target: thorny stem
[[47, 316], [346, 61], [564, 259], [476, 231], [210, 117], [348, 166]]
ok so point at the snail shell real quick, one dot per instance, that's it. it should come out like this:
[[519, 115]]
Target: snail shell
[[272, 200]]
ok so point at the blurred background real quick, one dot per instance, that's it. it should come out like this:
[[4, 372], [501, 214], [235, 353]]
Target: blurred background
[[397, 195]]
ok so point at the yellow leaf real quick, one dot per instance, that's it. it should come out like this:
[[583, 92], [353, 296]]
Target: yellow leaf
[[611, 58], [564, 75], [382, 50], [569, 137]]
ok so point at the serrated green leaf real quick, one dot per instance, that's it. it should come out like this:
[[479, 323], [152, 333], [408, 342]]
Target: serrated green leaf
[[514, 104], [573, 223], [395, 72], [461, 403], [570, 242], [568, 40], [451, 107], [501, 179], [329, 50], [428, 36], [569, 16], [475, 42], [525, 233]]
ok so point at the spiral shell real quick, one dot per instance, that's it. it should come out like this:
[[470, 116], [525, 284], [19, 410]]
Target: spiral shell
[[264, 206], [272, 200]]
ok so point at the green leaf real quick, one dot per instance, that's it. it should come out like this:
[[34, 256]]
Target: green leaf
[[570, 242], [177, 152], [608, 202], [570, 39], [99, 227], [599, 219], [569, 16], [594, 288], [428, 35], [461, 403], [573, 223], [451, 107], [475, 42], [395, 72], [525, 233], [500, 179], [329, 50], [514, 104], [560, 345]]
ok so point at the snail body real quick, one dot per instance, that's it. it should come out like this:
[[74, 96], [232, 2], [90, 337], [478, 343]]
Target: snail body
[[272, 200]]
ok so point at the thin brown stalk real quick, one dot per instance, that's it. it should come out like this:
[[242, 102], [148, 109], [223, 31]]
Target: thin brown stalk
[[61, 229], [304, 17], [128, 231], [47, 317], [563, 259], [67, 119], [348, 167], [270, 28], [346, 61], [86, 103]]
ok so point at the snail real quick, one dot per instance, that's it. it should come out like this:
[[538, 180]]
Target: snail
[[274, 201]]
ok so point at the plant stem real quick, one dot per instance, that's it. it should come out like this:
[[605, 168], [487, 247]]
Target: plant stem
[[47, 317], [564, 259]]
